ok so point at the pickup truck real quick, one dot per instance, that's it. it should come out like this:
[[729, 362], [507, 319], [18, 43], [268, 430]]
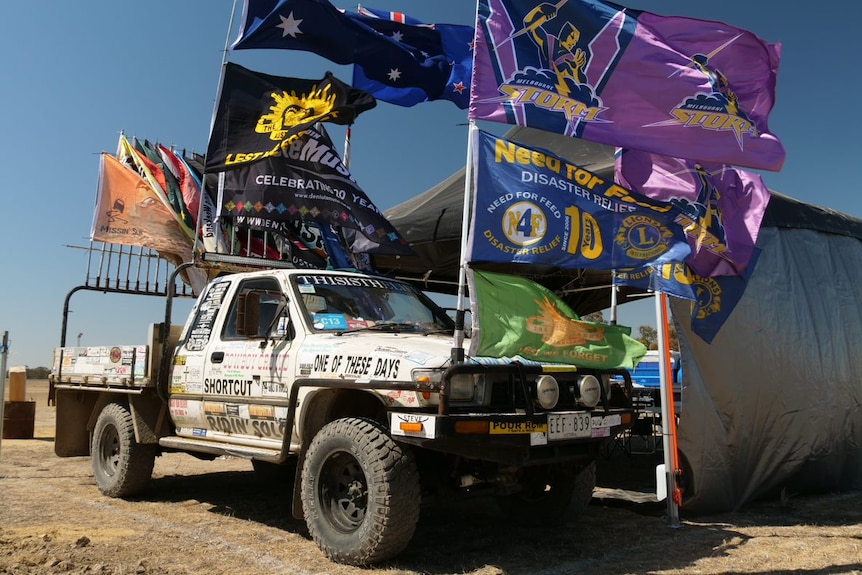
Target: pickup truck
[[350, 384]]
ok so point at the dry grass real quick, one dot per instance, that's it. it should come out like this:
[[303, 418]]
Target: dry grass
[[217, 517]]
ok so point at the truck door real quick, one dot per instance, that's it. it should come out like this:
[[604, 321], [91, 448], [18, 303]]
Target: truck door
[[246, 368]]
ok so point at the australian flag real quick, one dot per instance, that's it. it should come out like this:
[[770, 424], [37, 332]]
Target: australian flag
[[398, 62], [450, 43]]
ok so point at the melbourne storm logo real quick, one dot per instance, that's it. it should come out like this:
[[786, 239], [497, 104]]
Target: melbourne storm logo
[[716, 110], [702, 219], [558, 82]]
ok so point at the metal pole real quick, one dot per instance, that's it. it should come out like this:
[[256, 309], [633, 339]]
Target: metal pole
[[4, 349], [466, 220]]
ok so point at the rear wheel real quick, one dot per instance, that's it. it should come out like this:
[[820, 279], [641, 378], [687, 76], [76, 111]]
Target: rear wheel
[[360, 492], [121, 466]]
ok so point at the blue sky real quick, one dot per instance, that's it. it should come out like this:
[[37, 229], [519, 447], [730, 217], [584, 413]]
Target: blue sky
[[76, 74]]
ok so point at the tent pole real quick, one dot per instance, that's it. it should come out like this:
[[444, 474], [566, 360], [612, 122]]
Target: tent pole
[[458, 345], [668, 416]]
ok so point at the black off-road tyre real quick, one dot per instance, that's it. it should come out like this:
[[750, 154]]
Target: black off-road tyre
[[122, 466], [585, 484], [548, 492], [360, 492]]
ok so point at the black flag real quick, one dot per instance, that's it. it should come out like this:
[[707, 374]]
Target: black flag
[[307, 181], [258, 115]]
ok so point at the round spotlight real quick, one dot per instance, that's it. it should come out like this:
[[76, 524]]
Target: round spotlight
[[547, 391], [590, 391]]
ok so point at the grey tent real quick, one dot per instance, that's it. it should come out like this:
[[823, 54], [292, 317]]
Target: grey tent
[[775, 401]]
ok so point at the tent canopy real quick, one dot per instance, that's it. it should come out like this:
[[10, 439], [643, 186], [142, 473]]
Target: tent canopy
[[773, 402]]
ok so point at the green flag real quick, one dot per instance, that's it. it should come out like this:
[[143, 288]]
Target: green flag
[[514, 316]]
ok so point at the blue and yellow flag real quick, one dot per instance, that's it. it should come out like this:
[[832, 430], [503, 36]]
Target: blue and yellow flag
[[536, 208]]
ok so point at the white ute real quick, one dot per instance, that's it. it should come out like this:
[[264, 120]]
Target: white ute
[[349, 380]]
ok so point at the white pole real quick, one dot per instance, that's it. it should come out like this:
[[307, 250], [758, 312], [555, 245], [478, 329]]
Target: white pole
[[666, 408], [346, 159], [458, 346], [4, 349], [613, 297]]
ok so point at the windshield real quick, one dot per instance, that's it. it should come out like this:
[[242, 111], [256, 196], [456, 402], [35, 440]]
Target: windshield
[[344, 302]]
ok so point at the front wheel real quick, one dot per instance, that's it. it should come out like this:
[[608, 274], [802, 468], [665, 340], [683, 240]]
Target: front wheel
[[360, 492], [121, 466]]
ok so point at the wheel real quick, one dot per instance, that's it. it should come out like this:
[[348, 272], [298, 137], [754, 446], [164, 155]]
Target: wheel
[[585, 484], [548, 491], [121, 466], [360, 492]]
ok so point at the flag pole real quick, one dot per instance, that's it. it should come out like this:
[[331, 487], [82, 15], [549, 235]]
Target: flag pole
[[346, 159], [668, 415], [458, 346], [217, 219]]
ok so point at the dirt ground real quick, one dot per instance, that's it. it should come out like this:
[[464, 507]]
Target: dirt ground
[[219, 518]]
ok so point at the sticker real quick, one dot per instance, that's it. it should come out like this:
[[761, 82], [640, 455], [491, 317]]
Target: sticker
[[330, 321], [413, 425], [419, 357], [313, 303], [516, 428]]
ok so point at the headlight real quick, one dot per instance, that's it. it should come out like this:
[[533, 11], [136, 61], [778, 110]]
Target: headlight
[[462, 387], [547, 391], [590, 391]]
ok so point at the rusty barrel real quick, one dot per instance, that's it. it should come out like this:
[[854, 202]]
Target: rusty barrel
[[19, 416], [18, 419]]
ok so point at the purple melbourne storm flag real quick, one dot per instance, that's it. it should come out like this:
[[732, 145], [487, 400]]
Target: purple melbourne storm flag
[[721, 207], [676, 86]]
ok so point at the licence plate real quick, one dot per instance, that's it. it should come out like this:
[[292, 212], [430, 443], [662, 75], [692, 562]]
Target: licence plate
[[569, 425]]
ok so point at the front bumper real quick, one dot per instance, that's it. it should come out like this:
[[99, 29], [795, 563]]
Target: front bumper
[[514, 439]]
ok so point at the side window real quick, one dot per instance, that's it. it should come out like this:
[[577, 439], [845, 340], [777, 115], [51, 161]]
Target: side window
[[270, 299], [208, 308]]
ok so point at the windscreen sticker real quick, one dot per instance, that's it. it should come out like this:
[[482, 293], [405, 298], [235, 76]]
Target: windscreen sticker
[[330, 321]]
